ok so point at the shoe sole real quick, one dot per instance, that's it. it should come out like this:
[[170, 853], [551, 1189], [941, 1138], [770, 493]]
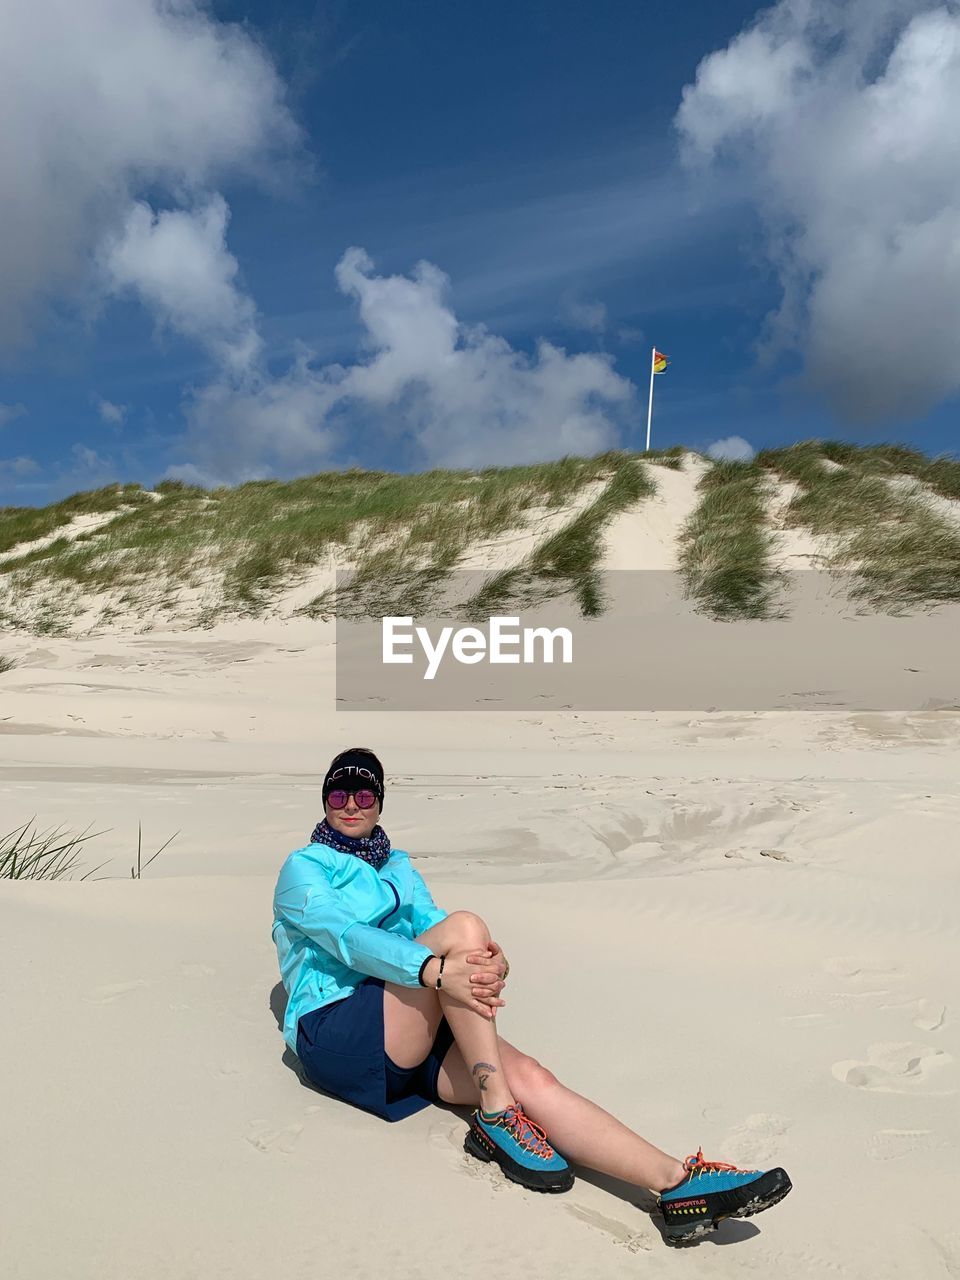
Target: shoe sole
[[771, 1189], [553, 1182]]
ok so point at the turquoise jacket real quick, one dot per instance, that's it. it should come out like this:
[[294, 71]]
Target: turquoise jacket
[[336, 920]]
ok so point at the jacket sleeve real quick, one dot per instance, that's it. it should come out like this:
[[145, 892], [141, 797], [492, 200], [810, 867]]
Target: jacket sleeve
[[426, 913], [312, 906]]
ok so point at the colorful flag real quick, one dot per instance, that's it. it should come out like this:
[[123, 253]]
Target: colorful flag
[[659, 362]]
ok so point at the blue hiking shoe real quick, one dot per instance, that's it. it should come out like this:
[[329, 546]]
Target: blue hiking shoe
[[712, 1191], [519, 1147]]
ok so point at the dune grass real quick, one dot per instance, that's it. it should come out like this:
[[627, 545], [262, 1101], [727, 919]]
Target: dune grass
[[29, 854], [568, 562], [6, 664], [26, 524], [261, 536], [203, 555], [902, 554], [136, 871], [725, 545], [405, 575], [830, 503], [941, 474], [54, 854], [911, 562], [672, 457]]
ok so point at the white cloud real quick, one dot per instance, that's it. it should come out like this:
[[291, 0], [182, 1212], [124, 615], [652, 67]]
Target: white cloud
[[109, 100], [14, 468], [464, 396], [178, 264], [87, 459], [839, 117], [248, 430], [112, 413], [629, 336], [590, 316], [731, 449], [10, 413]]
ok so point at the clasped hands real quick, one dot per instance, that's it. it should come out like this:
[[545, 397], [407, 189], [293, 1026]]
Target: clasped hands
[[489, 968]]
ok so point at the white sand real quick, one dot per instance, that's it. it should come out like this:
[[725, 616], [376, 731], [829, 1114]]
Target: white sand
[[645, 537], [798, 1009], [795, 547], [945, 509]]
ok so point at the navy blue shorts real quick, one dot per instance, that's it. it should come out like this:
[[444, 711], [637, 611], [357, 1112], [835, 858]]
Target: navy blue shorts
[[341, 1048]]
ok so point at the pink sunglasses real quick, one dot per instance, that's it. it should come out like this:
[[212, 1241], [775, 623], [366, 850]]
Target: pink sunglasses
[[338, 799]]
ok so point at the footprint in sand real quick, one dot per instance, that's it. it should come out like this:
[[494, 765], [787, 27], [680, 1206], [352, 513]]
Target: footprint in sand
[[893, 1068], [944, 1252], [749, 854], [112, 991], [448, 1139], [930, 1015], [893, 1144], [758, 1142], [268, 1140], [228, 1071], [865, 980], [800, 1019], [856, 967], [632, 1240]]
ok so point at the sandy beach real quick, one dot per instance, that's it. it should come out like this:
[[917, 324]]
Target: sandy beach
[[734, 930], [554, 401]]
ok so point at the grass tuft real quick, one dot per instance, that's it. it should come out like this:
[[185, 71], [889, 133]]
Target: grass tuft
[[902, 553], [672, 457], [136, 873], [726, 544], [29, 854]]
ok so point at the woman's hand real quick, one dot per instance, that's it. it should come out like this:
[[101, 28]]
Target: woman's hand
[[490, 974], [474, 979]]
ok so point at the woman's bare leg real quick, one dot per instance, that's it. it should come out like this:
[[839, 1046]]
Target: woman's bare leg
[[577, 1127], [411, 1016]]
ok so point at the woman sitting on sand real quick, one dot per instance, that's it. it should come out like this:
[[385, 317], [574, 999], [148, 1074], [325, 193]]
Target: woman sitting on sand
[[392, 1006]]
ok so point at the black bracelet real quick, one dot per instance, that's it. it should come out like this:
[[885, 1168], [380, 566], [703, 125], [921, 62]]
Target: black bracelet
[[440, 974], [422, 967]]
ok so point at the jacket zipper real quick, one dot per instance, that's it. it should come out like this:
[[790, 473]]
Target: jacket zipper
[[394, 908]]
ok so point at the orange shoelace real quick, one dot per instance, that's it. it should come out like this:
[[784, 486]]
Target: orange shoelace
[[530, 1136], [697, 1165]]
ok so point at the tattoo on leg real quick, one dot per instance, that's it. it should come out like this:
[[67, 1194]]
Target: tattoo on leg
[[482, 1070]]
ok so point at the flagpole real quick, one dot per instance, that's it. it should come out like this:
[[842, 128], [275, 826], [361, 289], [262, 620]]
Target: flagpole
[[653, 358]]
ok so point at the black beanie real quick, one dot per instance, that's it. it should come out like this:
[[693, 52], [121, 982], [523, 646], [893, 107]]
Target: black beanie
[[355, 770]]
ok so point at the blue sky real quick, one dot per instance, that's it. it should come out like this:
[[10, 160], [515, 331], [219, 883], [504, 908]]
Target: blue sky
[[533, 154]]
